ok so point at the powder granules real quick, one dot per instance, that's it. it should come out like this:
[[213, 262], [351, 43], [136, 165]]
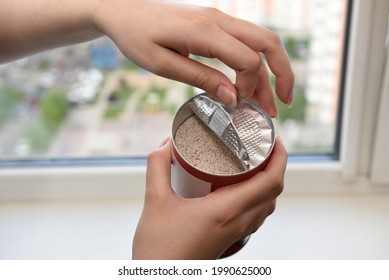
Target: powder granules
[[199, 145]]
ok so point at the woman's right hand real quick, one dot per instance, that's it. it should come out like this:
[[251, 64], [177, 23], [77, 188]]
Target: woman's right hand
[[172, 227], [160, 35]]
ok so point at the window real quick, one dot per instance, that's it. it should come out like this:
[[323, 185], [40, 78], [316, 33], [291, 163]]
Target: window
[[88, 101], [109, 113]]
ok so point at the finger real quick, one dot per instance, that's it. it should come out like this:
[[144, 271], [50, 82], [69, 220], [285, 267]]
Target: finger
[[276, 166], [275, 169], [261, 217], [234, 54], [264, 186], [264, 92], [270, 45], [158, 169], [174, 66], [252, 219], [262, 40], [207, 39]]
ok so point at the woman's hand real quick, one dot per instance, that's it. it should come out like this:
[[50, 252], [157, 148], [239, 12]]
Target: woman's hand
[[172, 227], [160, 35]]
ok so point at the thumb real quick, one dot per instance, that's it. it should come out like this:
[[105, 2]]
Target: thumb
[[158, 168], [189, 71]]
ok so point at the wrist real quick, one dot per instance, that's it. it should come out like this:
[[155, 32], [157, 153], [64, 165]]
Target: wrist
[[107, 12], [101, 14], [89, 10]]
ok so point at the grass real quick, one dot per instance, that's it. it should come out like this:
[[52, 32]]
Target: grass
[[116, 107], [114, 111]]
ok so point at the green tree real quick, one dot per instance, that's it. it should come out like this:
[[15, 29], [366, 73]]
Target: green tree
[[38, 136], [8, 99], [297, 112], [190, 92], [291, 47], [160, 91], [54, 108], [44, 64]]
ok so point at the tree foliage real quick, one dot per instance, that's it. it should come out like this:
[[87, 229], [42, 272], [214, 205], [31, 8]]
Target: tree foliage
[[54, 108], [8, 99]]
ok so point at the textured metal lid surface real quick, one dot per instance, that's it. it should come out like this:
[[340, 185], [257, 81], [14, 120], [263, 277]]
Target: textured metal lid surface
[[246, 129]]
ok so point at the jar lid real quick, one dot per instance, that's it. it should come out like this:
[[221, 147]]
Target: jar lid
[[246, 129]]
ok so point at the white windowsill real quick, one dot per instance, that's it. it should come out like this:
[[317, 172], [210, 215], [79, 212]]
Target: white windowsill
[[332, 226], [129, 182]]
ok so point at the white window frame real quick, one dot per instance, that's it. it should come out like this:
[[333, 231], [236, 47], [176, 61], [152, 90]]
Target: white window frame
[[364, 159]]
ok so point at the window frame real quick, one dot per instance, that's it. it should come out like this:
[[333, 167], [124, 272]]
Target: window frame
[[360, 139], [366, 62]]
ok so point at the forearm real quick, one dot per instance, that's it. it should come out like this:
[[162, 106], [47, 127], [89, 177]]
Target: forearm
[[28, 27]]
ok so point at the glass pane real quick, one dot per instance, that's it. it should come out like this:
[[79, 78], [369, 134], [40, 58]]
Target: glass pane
[[88, 100]]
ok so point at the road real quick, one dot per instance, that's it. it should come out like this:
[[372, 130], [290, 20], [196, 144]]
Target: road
[[86, 133]]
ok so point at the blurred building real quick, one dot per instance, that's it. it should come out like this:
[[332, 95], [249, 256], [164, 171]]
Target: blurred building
[[322, 22], [103, 54]]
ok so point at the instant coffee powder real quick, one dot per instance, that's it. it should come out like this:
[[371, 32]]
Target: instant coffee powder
[[200, 146], [216, 146]]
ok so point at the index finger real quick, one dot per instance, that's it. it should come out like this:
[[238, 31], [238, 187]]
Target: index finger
[[205, 38], [267, 42]]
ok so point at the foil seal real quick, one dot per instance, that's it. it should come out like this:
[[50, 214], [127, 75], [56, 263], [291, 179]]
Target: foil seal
[[247, 129]]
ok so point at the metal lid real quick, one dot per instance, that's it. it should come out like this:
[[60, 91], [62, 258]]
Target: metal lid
[[247, 129]]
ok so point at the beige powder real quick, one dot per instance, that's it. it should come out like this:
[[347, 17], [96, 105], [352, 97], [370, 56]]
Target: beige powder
[[203, 149]]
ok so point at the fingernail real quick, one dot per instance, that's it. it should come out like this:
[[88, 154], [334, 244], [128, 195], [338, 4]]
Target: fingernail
[[226, 96], [164, 142], [290, 99]]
